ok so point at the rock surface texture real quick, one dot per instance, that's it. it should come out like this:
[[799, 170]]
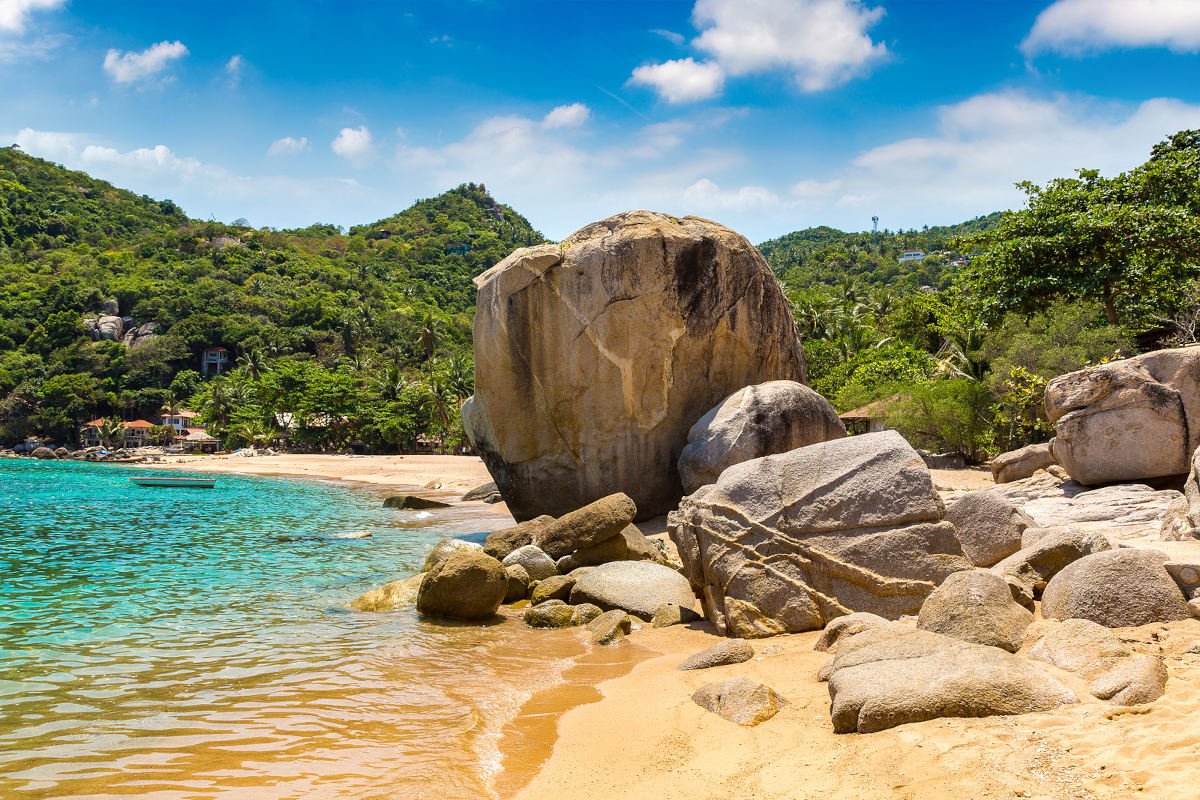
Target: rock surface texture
[[976, 607], [739, 700], [1128, 420], [889, 675], [787, 542], [1118, 588], [1022, 463], [468, 585], [637, 587], [989, 525], [753, 422], [598, 354], [721, 654]]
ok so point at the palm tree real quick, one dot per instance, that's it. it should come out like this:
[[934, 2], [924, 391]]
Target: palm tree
[[441, 403], [459, 375], [391, 383], [111, 432], [427, 335], [217, 404], [254, 362], [254, 433]]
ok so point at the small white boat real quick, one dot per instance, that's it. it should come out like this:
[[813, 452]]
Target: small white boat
[[177, 483]]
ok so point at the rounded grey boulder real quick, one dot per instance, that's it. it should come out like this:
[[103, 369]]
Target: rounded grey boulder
[[539, 565], [989, 525], [446, 548], [468, 585], [978, 607], [756, 421], [638, 587], [1116, 588]]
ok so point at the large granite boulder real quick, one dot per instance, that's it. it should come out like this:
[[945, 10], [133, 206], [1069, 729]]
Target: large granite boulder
[[1128, 420], [989, 526], [788, 542], [499, 544], [753, 422], [390, 596], [637, 587], [1034, 565], [108, 327], [628, 545], [595, 356], [586, 527], [1118, 588], [468, 585], [1182, 520], [44, 454], [1099, 656], [891, 674], [1021, 463], [537, 564], [444, 549], [976, 606]]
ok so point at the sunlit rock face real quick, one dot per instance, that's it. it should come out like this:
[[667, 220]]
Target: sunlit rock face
[[595, 356]]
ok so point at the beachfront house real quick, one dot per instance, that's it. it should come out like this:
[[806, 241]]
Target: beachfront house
[[180, 420], [137, 433], [213, 361], [911, 255]]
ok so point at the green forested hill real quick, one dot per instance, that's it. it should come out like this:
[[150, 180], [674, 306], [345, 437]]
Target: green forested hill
[[393, 296], [824, 255]]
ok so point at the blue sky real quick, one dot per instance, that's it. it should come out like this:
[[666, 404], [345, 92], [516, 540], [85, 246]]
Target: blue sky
[[765, 115]]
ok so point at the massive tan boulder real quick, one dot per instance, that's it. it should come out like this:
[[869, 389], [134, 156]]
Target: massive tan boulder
[[469, 585], [595, 356], [1021, 463], [1119, 588], [753, 422], [1128, 420], [788, 542]]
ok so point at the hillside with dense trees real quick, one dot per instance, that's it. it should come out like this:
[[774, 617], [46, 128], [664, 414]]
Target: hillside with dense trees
[[387, 302]]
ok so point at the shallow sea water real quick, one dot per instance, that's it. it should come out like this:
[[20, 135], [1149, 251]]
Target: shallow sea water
[[182, 643]]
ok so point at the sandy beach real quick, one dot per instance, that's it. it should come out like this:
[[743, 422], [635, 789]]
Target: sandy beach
[[625, 727]]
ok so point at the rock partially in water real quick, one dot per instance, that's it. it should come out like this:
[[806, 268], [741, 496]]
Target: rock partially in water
[[611, 345], [446, 548], [469, 585], [610, 627], [550, 616], [413, 502], [755, 421], [739, 700], [485, 493], [390, 596], [44, 453], [518, 583], [555, 587]]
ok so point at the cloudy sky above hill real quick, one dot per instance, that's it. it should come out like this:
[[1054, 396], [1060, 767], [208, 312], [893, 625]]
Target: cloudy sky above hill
[[766, 115]]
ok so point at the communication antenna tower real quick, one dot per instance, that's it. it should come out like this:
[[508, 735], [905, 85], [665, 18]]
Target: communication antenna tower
[[875, 231]]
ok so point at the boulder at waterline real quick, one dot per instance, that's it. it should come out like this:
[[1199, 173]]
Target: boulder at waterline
[[412, 502], [787, 542], [721, 654], [555, 587], [586, 527], [518, 583], [739, 700], [499, 544], [468, 585], [584, 613], [549, 616], [612, 344], [44, 453], [610, 627], [989, 525], [637, 587], [628, 545], [1128, 420], [976, 606], [1018, 464], [534, 560], [390, 596], [1182, 520], [446, 548], [891, 674], [755, 421], [485, 493], [1118, 588]]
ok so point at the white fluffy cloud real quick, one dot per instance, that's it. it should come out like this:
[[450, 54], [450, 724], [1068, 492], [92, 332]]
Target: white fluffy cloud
[[128, 67], [571, 116], [356, 145], [821, 43], [288, 146], [682, 80], [818, 43], [1080, 26], [15, 13]]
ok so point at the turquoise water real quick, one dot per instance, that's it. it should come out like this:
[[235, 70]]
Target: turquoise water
[[176, 643]]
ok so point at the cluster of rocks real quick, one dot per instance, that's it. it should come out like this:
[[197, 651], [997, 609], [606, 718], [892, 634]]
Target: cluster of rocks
[[50, 453], [108, 325]]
